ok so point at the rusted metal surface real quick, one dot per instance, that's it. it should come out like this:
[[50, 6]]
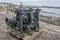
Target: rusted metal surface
[[3, 27]]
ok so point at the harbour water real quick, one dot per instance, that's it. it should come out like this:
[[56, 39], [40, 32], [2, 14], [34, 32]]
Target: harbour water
[[52, 10], [54, 3]]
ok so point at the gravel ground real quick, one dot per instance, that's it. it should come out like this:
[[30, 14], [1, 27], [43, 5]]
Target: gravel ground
[[3, 27], [50, 32], [47, 31]]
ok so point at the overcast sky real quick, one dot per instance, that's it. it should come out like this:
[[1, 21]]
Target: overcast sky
[[34, 2]]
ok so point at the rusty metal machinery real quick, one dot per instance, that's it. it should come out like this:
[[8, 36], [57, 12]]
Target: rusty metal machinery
[[25, 21]]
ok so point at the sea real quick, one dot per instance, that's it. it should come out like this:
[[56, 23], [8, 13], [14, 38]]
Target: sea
[[51, 12], [54, 3]]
